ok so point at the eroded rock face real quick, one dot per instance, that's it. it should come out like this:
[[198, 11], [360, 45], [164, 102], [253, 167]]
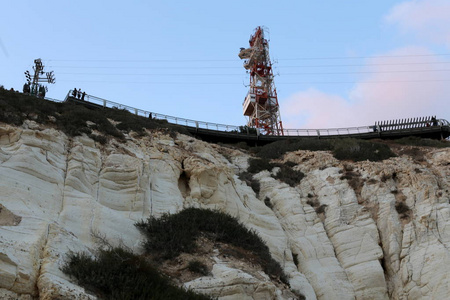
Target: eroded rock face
[[339, 234]]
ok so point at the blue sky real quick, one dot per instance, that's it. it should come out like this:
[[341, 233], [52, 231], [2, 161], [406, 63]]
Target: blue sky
[[338, 63]]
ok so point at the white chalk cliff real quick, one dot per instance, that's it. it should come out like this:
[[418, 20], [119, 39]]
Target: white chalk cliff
[[337, 234]]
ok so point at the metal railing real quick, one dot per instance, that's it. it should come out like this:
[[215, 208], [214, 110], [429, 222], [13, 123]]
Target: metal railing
[[410, 123], [382, 126], [148, 114]]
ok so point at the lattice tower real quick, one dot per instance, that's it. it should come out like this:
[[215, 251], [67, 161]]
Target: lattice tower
[[261, 103]]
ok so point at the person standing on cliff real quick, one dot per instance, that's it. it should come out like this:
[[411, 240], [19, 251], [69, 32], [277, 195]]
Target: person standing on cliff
[[26, 88]]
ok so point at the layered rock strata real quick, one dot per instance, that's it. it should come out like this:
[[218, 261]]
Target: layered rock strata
[[337, 236]]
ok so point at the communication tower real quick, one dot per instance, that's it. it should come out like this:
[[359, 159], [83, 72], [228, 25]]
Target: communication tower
[[32, 85], [261, 103]]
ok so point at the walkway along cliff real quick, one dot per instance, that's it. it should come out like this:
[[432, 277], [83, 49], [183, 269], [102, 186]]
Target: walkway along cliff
[[424, 127]]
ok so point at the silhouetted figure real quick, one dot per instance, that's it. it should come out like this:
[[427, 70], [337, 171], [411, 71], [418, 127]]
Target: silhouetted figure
[[41, 92], [79, 94], [26, 88], [82, 96], [434, 121], [74, 93]]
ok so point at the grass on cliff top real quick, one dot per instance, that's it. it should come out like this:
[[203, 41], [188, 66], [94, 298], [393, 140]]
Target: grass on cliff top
[[116, 273], [71, 118], [416, 141], [342, 149], [171, 235]]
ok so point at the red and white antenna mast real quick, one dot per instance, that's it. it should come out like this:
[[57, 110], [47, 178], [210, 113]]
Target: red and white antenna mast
[[261, 103]]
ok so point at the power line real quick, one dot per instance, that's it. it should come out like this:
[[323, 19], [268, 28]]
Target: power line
[[141, 60], [367, 72], [366, 57], [368, 64], [281, 66], [151, 74], [111, 67], [216, 60], [370, 82], [222, 74], [279, 83]]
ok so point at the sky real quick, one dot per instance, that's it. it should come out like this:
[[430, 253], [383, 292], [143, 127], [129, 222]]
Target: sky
[[336, 63]]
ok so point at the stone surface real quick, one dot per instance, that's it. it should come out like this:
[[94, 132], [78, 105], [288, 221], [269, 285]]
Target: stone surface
[[337, 234]]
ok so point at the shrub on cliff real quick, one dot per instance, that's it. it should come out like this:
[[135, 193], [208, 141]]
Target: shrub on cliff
[[416, 141], [343, 149], [256, 165], [288, 175], [277, 149], [197, 266], [247, 177], [358, 150], [119, 274], [171, 235]]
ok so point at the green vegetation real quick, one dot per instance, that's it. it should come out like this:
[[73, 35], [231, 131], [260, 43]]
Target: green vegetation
[[71, 118], [402, 209], [277, 149], [343, 149], [416, 141], [245, 130], [171, 235], [256, 165], [196, 266], [268, 203], [247, 177], [358, 150], [285, 174], [119, 274]]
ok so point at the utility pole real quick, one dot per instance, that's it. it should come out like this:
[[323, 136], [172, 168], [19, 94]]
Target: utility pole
[[261, 103], [32, 86]]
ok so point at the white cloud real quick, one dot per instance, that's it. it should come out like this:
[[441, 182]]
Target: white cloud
[[388, 92], [315, 109], [428, 19], [417, 86]]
